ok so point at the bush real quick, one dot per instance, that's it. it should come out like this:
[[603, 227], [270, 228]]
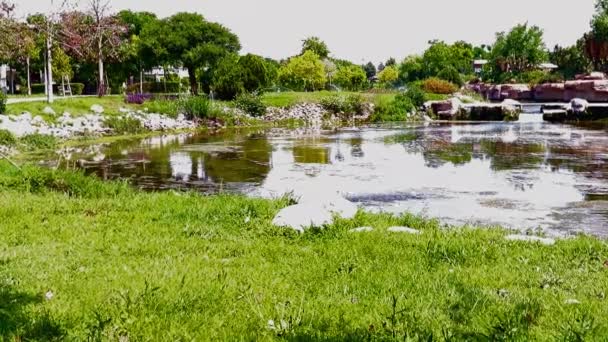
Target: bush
[[438, 86], [165, 107], [7, 138], [352, 104], [195, 107], [155, 87], [38, 88], [452, 75], [416, 95], [77, 88], [393, 110], [250, 104], [124, 125], [539, 77], [3, 99], [39, 142]]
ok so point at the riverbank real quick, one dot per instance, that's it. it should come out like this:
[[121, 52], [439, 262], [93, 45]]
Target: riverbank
[[87, 259]]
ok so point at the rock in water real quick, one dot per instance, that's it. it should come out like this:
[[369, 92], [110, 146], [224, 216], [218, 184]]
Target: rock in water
[[527, 238], [579, 106], [97, 109]]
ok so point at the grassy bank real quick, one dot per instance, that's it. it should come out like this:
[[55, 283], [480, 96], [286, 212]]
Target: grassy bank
[[287, 99], [82, 259]]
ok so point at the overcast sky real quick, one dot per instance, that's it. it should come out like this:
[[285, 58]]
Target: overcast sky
[[362, 30]]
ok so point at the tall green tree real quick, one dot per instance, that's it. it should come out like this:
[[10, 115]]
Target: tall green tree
[[571, 60], [411, 69], [316, 45], [370, 70], [519, 50], [351, 77], [306, 72], [189, 40], [388, 76], [255, 72]]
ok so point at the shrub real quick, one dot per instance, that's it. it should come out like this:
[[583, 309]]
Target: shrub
[[539, 77], [452, 75], [124, 125], [438, 86], [155, 87], [165, 107], [416, 95], [393, 110], [38, 141], [352, 104], [38, 88], [77, 88], [250, 104], [195, 107], [7, 138], [3, 99]]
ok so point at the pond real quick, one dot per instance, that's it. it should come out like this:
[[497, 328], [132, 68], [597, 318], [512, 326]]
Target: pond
[[524, 175]]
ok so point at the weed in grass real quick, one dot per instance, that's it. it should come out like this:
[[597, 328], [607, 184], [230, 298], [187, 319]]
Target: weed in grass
[[7, 138], [38, 141]]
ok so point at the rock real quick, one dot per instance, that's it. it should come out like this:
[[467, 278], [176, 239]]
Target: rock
[[361, 229], [404, 230], [579, 106], [447, 109], [510, 108], [314, 213], [572, 302], [427, 118], [520, 92], [48, 110], [596, 75], [590, 90], [97, 109], [549, 92], [528, 238]]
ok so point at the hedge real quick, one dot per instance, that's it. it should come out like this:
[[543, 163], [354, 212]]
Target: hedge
[[39, 88], [155, 87]]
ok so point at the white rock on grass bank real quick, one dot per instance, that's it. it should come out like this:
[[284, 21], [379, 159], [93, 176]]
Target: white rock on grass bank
[[97, 109], [532, 239], [314, 213], [362, 230], [158, 122], [407, 230]]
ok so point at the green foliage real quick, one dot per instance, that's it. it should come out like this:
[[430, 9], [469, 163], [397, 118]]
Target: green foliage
[[256, 73], [438, 86], [388, 76], [195, 107], [305, 72], [38, 141], [441, 55], [227, 79], [351, 77], [166, 107], [571, 60], [452, 75], [3, 99], [7, 138], [539, 77], [370, 70], [155, 87], [416, 95], [77, 88], [124, 125], [521, 49], [37, 88], [316, 45], [393, 110], [251, 104], [347, 104], [412, 69]]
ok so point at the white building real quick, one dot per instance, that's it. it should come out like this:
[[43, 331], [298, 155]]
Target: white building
[[158, 73]]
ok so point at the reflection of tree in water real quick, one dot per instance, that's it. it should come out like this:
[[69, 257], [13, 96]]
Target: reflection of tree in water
[[306, 154], [250, 163], [356, 145], [509, 156], [439, 153]]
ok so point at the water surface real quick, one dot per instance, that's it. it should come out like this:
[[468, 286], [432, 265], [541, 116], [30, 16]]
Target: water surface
[[524, 175]]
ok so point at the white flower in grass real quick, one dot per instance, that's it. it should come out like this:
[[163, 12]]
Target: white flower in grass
[[49, 295]]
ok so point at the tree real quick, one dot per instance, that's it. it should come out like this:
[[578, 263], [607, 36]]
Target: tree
[[441, 55], [388, 76], [452, 75], [255, 72], [522, 49], [228, 78], [390, 62], [189, 40], [596, 41], [571, 60], [305, 72], [316, 45], [18, 44], [95, 36], [351, 77], [370, 70], [411, 69]]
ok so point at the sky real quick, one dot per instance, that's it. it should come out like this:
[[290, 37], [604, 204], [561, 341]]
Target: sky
[[366, 30]]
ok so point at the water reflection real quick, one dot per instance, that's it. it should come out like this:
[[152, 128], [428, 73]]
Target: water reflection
[[521, 175]]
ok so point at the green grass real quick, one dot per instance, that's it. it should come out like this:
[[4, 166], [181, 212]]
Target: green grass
[[288, 99], [75, 106], [86, 260]]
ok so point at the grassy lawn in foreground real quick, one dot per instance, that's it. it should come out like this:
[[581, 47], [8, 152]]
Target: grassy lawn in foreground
[[82, 259]]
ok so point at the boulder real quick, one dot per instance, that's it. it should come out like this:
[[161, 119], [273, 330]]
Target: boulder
[[447, 109], [590, 90], [596, 75], [549, 92], [48, 110], [520, 92], [579, 106], [404, 230], [97, 109]]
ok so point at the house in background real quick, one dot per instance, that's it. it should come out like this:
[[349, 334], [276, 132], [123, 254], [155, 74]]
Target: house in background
[[478, 65], [158, 73], [547, 67]]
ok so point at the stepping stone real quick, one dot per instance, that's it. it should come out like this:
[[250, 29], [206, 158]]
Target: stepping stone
[[404, 230], [527, 238], [362, 229]]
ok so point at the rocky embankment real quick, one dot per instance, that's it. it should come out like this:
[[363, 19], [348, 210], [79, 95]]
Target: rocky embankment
[[592, 88]]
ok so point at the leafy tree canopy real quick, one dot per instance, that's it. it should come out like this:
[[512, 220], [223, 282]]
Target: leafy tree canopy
[[306, 72], [316, 45]]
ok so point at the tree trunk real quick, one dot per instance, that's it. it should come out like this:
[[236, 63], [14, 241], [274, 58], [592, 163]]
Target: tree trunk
[[102, 86], [141, 81], [193, 83], [49, 70], [29, 79]]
